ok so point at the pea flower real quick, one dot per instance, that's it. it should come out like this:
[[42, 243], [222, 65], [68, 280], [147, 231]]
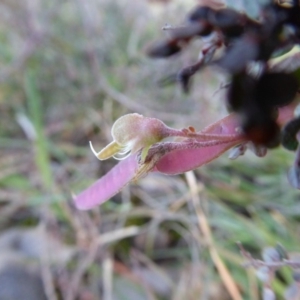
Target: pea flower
[[140, 141], [131, 133], [134, 132]]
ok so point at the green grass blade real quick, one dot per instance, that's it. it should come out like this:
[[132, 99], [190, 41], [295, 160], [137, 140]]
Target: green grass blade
[[35, 111]]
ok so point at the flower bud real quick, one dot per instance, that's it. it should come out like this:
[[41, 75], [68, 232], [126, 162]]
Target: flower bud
[[131, 133]]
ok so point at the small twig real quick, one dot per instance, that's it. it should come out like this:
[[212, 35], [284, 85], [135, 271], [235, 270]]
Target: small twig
[[257, 263], [244, 253], [221, 87]]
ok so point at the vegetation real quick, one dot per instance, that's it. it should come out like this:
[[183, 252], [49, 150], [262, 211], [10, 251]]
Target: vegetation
[[69, 69]]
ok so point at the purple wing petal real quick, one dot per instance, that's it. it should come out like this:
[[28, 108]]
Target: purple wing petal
[[108, 185], [180, 161]]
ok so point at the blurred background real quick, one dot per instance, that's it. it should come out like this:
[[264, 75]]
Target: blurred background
[[68, 70]]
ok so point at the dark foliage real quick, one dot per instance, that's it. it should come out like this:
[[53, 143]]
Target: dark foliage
[[256, 90]]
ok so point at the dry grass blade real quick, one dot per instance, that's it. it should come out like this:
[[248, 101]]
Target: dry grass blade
[[122, 233], [107, 266], [47, 276], [206, 231]]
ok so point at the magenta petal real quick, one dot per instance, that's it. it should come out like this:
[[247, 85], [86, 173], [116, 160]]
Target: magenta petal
[[180, 161], [108, 185]]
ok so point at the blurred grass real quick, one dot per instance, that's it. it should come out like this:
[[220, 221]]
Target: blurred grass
[[41, 153], [70, 69]]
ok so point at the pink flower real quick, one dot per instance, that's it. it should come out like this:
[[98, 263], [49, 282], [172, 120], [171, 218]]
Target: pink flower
[[140, 138]]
